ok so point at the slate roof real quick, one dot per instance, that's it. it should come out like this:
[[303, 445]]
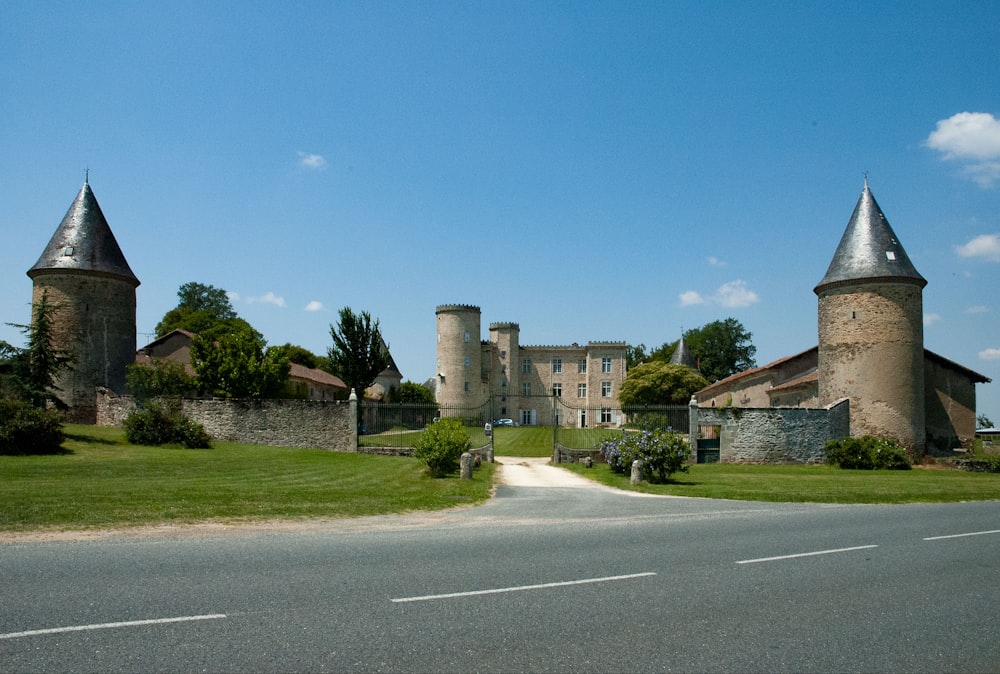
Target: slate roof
[[682, 355], [869, 250], [84, 242]]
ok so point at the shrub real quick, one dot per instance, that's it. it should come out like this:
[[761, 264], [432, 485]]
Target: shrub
[[156, 425], [662, 453], [29, 430], [440, 446], [866, 453]]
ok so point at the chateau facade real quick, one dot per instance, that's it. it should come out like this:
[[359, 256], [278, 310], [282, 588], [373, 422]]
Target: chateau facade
[[520, 382]]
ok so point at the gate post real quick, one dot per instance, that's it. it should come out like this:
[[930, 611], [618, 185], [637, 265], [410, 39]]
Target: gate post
[[693, 426]]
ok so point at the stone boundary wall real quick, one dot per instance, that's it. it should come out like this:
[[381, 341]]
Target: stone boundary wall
[[279, 423], [566, 455], [773, 435]]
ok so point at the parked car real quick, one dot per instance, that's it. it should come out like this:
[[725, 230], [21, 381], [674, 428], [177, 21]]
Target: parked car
[[503, 422]]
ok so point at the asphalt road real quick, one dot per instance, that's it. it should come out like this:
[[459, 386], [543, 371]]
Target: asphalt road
[[542, 578]]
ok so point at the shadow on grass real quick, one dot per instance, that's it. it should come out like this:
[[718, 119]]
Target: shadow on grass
[[61, 451], [80, 437]]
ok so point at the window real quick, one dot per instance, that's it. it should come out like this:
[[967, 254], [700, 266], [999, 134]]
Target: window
[[606, 364], [467, 362], [556, 365], [526, 366], [467, 336], [526, 388], [581, 366], [605, 389], [503, 354], [581, 390], [557, 390], [466, 387], [605, 415]]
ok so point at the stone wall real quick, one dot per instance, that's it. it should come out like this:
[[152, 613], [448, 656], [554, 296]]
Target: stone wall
[[278, 423], [773, 435]]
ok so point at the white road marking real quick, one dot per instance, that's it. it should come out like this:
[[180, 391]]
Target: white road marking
[[973, 533], [805, 554], [106, 626], [499, 590]]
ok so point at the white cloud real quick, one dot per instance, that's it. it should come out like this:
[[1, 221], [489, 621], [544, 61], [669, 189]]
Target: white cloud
[[978, 309], [973, 137], [314, 305], [735, 294], [931, 319], [990, 354], [690, 298], [311, 161], [986, 246], [716, 262], [268, 298], [732, 295]]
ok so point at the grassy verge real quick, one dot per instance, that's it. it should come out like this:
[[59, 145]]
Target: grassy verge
[[522, 441], [102, 481], [818, 484]]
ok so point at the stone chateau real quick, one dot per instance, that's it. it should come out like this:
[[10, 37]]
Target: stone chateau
[[520, 381]]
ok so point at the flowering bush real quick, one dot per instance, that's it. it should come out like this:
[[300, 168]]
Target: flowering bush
[[662, 453]]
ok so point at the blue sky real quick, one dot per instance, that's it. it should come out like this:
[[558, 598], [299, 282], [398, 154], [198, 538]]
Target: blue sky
[[592, 171]]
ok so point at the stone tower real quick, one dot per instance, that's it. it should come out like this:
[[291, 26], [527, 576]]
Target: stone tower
[[92, 290], [505, 337], [459, 356], [871, 336]]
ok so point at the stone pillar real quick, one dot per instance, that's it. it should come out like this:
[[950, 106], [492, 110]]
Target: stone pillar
[[466, 465], [352, 402], [693, 428], [636, 477]]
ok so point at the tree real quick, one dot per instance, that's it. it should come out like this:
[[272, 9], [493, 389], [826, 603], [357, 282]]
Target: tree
[[658, 383], [412, 393], [664, 352], [634, 355], [358, 353], [239, 365], [203, 309], [299, 355], [722, 348], [156, 379], [36, 367], [982, 421]]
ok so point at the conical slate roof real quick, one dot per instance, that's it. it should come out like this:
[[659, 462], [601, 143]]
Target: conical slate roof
[[869, 250], [682, 355], [84, 242]]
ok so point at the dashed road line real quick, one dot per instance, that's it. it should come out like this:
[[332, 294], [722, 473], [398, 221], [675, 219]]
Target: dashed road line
[[107, 626], [521, 588]]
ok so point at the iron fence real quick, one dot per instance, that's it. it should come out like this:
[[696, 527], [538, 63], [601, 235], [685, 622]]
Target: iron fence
[[399, 425]]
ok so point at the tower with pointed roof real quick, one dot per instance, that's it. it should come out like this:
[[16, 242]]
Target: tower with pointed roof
[[871, 339], [92, 289], [682, 356]]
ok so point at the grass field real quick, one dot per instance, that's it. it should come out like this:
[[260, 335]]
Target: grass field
[[102, 481], [820, 484]]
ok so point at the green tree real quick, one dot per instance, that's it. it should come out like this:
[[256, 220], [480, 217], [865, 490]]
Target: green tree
[[982, 421], [663, 353], [202, 309], [156, 379], [722, 348], [441, 445], [239, 365], [659, 383], [411, 392], [358, 353], [634, 355], [299, 355], [34, 369]]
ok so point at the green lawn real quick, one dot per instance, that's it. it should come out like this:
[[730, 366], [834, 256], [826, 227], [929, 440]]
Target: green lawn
[[820, 484], [522, 441], [102, 481]]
